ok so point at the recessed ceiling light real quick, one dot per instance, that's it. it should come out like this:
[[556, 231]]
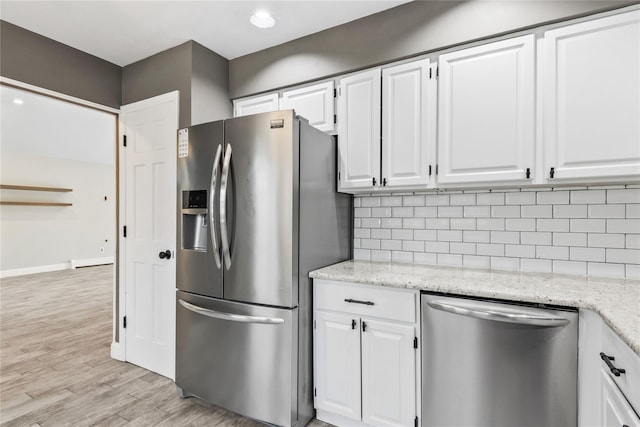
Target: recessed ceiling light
[[262, 19], [18, 101]]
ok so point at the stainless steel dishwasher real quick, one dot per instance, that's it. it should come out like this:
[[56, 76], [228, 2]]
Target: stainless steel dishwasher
[[490, 363]]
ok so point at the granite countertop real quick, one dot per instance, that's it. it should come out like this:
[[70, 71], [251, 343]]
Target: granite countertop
[[616, 300]]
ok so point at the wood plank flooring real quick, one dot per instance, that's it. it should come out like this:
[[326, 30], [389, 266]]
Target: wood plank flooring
[[55, 364]]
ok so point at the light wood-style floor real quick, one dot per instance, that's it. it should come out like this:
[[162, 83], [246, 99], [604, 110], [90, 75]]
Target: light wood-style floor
[[55, 367]]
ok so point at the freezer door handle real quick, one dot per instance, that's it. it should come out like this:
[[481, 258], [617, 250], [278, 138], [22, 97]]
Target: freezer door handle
[[479, 310], [224, 237], [229, 316], [212, 196]]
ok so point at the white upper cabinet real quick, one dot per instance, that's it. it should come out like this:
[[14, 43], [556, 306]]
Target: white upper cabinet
[[314, 103], [255, 105], [486, 113], [592, 99], [359, 130], [408, 105]]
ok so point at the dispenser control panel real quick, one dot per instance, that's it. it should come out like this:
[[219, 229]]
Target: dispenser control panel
[[195, 199]]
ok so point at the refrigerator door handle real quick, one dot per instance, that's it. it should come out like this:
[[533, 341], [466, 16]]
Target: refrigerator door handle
[[223, 206], [212, 196], [229, 316], [481, 311]]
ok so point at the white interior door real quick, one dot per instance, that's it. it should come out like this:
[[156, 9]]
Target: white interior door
[[150, 127]]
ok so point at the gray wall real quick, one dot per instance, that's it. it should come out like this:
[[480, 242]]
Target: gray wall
[[161, 73], [40, 61], [407, 30], [209, 86]]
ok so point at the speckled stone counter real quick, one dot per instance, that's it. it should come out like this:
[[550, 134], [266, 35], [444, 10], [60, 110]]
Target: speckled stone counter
[[616, 300]]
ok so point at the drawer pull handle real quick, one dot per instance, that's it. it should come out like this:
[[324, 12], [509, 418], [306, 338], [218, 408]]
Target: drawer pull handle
[[608, 359], [355, 301]]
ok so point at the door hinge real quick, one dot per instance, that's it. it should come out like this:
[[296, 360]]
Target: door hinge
[[315, 392], [429, 170], [415, 342], [124, 322], [335, 119], [528, 173], [436, 169], [335, 93], [416, 422], [373, 180], [384, 182], [437, 71], [338, 176], [364, 326], [552, 172], [124, 140], [124, 231], [430, 73], [314, 324]]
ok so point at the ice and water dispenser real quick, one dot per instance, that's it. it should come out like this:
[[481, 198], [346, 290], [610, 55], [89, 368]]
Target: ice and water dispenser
[[194, 220]]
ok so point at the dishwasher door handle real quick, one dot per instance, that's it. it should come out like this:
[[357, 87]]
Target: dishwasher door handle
[[490, 312]]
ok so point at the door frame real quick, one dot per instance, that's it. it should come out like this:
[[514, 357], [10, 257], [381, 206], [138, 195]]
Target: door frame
[[118, 346]]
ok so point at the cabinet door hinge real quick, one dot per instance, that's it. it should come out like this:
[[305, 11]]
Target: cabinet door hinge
[[429, 170], [364, 326], [437, 71], [338, 176], [335, 93], [335, 119], [415, 342], [436, 169], [314, 324], [552, 172], [124, 322], [124, 231], [430, 73], [416, 422], [315, 392], [124, 140], [528, 173]]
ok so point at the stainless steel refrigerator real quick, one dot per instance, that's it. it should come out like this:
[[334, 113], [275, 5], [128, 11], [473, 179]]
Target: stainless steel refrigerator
[[257, 210]]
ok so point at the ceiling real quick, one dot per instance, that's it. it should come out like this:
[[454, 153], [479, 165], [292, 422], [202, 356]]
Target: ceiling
[[123, 32]]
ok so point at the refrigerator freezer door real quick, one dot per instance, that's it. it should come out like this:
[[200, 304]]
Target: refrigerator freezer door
[[238, 356], [199, 267], [261, 212]]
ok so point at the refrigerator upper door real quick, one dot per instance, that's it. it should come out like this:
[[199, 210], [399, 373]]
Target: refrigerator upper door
[[199, 262], [260, 186]]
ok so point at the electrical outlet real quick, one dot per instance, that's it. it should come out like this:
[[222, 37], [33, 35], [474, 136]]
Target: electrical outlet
[[101, 250]]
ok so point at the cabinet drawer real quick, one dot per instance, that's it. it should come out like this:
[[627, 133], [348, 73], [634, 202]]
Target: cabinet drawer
[[366, 300], [625, 358]]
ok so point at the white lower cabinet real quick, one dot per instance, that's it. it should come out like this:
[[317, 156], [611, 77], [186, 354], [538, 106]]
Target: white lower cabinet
[[366, 357], [616, 411]]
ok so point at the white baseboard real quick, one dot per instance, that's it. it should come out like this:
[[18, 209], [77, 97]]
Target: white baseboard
[[33, 270], [117, 351], [88, 262]]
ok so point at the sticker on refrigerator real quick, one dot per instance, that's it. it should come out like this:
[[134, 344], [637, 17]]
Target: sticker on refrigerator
[[183, 143]]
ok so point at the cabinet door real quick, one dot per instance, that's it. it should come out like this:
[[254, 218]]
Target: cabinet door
[[486, 112], [616, 411], [255, 105], [592, 98], [406, 128], [359, 130], [388, 374], [314, 103], [337, 363]]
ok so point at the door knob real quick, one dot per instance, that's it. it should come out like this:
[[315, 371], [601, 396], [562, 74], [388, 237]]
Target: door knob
[[165, 254]]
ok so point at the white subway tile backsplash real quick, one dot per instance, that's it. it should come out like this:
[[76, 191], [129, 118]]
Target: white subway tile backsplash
[[577, 230], [505, 237], [587, 254], [627, 195], [505, 211], [521, 198], [413, 222], [552, 252], [570, 211], [399, 256], [476, 236], [605, 270], [475, 261], [369, 202], [535, 238], [625, 256], [606, 240], [462, 199], [606, 211], [588, 197], [381, 233], [536, 265], [558, 225], [588, 225], [450, 259], [570, 267], [553, 198], [477, 211], [401, 234], [536, 211], [490, 198], [570, 239], [623, 226]]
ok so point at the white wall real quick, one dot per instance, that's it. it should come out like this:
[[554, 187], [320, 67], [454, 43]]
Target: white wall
[[51, 143]]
